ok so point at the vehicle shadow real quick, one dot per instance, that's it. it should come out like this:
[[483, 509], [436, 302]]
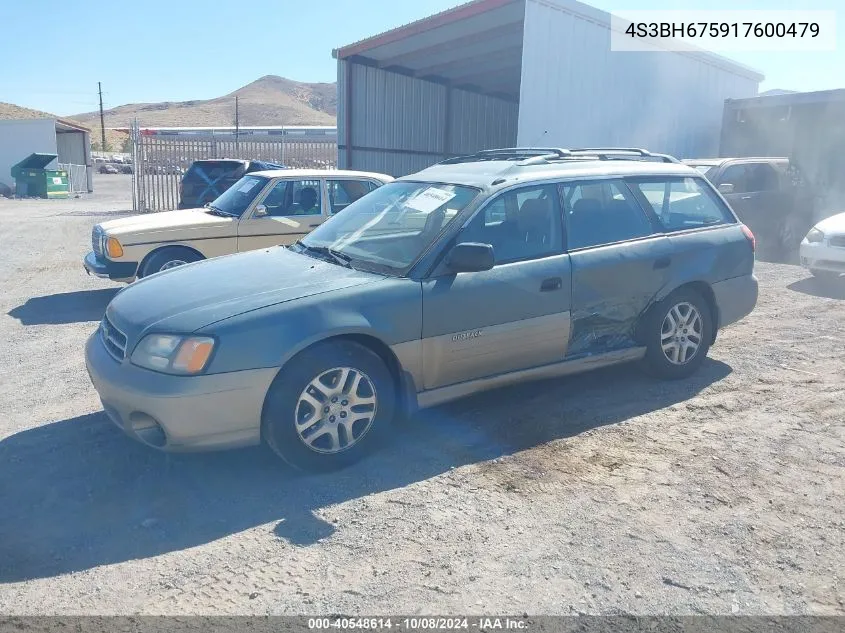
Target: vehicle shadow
[[77, 493], [827, 288], [64, 307]]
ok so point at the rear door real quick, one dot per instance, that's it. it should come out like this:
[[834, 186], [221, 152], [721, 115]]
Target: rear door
[[287, 211], [620, 260], [757, 197]]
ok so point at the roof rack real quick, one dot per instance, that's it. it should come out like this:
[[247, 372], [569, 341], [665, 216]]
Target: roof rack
[[621, 153], [527, 156], [508, 153]]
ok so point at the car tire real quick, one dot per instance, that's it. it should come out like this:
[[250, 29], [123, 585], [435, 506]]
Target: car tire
[[167, 258], [824, 275], [682, 319], [302, 418]]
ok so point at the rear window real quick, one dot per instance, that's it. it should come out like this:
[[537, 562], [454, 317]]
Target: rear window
[[212, 170], [682, 203]]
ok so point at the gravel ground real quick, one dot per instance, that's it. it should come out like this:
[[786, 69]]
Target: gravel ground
[[602, 493]]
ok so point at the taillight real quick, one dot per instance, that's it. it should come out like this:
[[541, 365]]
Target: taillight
[[750, 236]]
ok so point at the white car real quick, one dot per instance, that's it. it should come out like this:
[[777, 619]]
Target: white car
[[823, 249]]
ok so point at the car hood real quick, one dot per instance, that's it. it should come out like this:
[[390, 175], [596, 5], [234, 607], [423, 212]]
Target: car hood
[[834, 225], [164, 221], [193, 296]]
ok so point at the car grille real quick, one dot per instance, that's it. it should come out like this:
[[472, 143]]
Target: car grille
[[96, 240], [113, 339], [838, 240]]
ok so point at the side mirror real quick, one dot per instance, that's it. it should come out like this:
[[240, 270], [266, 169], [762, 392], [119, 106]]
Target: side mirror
[[260, 211], [470, 257], [726, 187]]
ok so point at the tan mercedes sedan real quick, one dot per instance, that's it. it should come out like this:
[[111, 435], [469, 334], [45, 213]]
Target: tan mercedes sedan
[[262, 209]]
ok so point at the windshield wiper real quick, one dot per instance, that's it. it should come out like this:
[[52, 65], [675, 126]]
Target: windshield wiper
[[212, 210], [339, 258]]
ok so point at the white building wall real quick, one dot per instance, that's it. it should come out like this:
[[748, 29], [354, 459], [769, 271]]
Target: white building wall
[[575, 91], [20, 138]]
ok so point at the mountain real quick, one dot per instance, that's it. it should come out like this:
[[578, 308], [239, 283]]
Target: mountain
[[12, 111], [270, 100]]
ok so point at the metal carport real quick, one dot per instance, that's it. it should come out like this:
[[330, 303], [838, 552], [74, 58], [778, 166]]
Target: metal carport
[[496, 73]]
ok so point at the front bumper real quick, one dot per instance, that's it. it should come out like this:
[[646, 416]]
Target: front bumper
[[107, 269], [822, 256], [735, 298], [179, 413]]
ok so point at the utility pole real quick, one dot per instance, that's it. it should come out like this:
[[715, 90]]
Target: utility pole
[[102, 120], [237, 126]]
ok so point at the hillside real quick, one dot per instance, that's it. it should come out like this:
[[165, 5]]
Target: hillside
[[270, 100], [12, 111]]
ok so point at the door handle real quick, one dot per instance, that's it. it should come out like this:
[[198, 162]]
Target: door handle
[[745, 198], [662, 262], [314, 225], [552, 283]]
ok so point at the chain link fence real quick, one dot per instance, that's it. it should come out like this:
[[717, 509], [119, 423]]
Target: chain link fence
[[77, 176]]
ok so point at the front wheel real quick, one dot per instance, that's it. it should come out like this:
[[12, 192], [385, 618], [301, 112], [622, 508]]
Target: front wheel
[[331, 405], [678, 333], [168, 258]]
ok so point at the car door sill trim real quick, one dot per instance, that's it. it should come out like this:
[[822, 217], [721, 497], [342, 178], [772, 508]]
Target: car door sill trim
[[434, 397]]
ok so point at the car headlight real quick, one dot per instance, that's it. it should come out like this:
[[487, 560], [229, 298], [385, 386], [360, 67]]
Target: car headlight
[[113, 247], [815, 236], [173, 354]]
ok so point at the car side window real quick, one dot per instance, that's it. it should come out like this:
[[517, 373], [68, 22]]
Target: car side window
[[762, 177], [521, 225], [602, 212], [682, 203], [736, 175], [293, 197], [342, 193]]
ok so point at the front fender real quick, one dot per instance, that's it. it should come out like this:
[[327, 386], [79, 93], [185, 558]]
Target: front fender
[[389, 311]]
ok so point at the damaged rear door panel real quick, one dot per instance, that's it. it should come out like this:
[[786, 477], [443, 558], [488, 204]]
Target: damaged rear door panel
[[620, 260]]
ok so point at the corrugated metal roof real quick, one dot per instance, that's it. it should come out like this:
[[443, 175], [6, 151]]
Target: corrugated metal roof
[[479, 42], [417, 26]]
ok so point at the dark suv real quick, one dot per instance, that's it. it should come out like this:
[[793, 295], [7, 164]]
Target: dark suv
[[768, 194], [207, 179]]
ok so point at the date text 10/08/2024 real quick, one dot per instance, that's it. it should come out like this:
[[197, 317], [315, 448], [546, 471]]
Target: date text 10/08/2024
[[421, 623]]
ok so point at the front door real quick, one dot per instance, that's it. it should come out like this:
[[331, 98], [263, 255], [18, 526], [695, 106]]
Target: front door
[[287, 212], [620, 260], [511, 317]]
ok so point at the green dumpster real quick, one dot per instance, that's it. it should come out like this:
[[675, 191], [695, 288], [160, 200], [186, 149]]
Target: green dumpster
[[33, 180]]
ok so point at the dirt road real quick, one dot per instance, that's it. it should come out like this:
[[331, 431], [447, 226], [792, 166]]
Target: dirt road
[[603, 493]]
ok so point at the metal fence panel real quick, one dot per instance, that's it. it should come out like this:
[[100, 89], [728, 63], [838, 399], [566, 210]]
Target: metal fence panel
[[161, 156], [77, 177]]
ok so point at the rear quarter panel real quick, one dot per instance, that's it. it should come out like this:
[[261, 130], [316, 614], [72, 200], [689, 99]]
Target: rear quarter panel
[[709, 255]]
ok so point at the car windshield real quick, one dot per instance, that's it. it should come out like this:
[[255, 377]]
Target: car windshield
[[237, 198], [390, 227]]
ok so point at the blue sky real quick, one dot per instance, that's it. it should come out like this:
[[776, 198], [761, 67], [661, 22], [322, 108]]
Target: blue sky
[[177, 50]]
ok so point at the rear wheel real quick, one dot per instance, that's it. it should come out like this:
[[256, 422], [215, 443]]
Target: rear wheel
[[168, 258], [678, 332], [330, 406]]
